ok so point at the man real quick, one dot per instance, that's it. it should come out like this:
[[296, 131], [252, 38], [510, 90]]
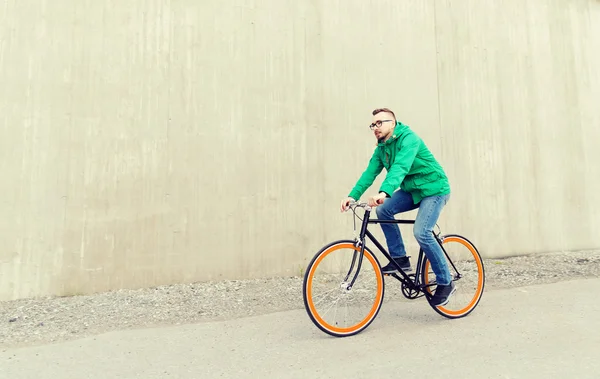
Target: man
[[414, 180]]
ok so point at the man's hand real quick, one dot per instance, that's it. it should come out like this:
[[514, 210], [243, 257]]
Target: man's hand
[[346, 203], [377, 199]]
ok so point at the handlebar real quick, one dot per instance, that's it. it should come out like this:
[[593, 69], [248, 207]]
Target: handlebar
[[353, 204], [360, 204]]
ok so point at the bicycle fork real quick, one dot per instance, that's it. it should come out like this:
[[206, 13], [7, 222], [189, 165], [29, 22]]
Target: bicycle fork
[[360, 241]]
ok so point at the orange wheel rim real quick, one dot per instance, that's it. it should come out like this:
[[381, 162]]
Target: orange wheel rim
[[479, 278], [373, 309]]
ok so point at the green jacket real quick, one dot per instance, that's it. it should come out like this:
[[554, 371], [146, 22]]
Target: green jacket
[[410, 166]]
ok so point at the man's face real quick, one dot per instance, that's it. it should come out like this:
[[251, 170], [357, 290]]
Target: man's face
[[383, 125]]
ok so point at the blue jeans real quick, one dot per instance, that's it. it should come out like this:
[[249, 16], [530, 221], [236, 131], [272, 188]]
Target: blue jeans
[[429, 211]]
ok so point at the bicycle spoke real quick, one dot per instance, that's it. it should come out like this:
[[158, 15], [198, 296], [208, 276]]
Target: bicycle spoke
[[469, 287], [329, 293]]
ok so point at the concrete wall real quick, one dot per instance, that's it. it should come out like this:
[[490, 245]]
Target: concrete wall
[[157, 141]]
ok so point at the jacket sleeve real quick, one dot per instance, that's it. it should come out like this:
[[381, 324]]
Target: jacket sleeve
[[405, 157], [368, 176]]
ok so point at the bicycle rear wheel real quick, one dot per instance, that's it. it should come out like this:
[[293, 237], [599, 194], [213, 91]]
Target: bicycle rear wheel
[[467, 272], [332, 307]]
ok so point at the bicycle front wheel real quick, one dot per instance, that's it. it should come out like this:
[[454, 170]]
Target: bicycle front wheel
[[332, 306], [467, 272]]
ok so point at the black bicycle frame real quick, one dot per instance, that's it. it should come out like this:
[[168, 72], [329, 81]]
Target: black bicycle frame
[[405, 279]]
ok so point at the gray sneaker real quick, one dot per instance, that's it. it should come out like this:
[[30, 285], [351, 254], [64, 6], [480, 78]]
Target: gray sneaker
[[442, 294], [403, 262]]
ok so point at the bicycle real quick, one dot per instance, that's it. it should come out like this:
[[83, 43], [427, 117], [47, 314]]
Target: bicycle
[[413, 286]]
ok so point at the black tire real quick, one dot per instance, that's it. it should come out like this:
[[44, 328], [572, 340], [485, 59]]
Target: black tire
[[368, 257], [481, 278]]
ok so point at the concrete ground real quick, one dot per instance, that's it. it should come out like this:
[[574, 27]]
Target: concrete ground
[[544, 331]]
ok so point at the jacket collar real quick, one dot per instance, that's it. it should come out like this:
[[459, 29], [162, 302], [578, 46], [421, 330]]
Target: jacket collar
[[398, 129]]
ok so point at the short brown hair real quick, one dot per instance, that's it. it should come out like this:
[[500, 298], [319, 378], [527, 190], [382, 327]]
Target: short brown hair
[[379, 110]]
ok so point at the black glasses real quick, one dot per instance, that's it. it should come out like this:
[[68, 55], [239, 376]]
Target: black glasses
[[378, 123]]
